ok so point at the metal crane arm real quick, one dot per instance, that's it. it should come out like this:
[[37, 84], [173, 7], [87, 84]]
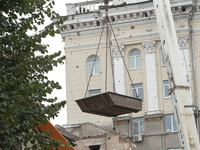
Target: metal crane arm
[[180, 93]]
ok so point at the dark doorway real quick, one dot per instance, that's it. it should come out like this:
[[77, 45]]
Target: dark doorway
[[94, 147]]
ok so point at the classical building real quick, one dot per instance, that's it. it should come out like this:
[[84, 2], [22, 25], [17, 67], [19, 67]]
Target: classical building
[[135, 28]]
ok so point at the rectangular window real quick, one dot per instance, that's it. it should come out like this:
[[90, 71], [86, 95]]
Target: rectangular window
[[96, 69], [137, 88], [94, 92], [93, 64], [139, 62], [170, 124], [135, 60], [166, 89], [133, 63], [138, 126], [163, 58], [122, 127]]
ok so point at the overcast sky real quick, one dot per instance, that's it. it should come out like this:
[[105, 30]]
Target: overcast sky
[[58, 74]]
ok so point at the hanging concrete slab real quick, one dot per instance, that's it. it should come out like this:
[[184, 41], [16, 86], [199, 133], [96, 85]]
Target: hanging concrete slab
[[110, 104]]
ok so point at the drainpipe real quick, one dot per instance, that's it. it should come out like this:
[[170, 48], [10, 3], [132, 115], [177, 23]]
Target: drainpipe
[[194, 65]]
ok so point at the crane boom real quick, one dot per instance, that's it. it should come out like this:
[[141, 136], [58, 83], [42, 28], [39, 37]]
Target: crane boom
[[180, 93]]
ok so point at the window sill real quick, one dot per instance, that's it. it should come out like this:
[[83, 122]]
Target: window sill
[[95, 75], [167, 97], [135, 68], [174, 132]]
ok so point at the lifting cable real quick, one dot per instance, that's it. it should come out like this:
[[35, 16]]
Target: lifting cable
[[94, 61], [123, 60], [107, 21], [106, 69], [112, 65]]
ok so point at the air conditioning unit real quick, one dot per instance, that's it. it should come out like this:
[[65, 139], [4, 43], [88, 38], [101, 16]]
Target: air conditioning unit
[[137, 138]]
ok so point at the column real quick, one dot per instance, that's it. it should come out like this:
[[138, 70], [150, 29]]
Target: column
[[151, 79], [79, 9], [82, 8], [93, 6], [90, 7], [118, 69]]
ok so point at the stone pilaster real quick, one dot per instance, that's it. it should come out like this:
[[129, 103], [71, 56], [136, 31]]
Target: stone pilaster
[[116, 51], [118, 68], [152, 97]]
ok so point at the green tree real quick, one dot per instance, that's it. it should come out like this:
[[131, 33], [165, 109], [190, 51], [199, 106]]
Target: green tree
[[23, 84]]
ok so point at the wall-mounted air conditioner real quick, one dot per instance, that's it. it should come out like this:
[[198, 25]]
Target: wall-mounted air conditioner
[[137, 138]]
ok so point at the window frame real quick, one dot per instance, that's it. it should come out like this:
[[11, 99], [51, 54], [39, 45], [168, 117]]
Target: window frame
[[137, 87], [96, 63], [163, 59], [173, 126], [96, 93], [141, 126], [166, 84], [136, 56]]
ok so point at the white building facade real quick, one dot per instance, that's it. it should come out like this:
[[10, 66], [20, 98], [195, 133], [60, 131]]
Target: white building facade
[[135, 27]]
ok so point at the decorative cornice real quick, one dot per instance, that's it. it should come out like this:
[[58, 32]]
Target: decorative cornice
[[123, 17], [117, 52], [117, 24], [98, 29], [149, 46]]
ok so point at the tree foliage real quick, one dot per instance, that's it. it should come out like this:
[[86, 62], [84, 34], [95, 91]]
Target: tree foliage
[[23, 84]]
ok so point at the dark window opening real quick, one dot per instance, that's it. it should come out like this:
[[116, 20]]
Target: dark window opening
[[145, 14], [72, 27], [98, 23], [94, 147], [112, 19], [183, 9]]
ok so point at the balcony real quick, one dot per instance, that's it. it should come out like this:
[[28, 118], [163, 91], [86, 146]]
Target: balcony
[[93, 6]]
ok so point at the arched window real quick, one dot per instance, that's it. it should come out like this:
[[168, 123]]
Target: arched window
[[135, 60], [93, 65]]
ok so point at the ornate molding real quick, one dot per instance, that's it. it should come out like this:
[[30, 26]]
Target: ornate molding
[[131, 19], [149, 28], [196, 17], [183, 42], [181, 24], [149, 46], [115, 51], [93, 30], [117, 24], [120, 16]]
